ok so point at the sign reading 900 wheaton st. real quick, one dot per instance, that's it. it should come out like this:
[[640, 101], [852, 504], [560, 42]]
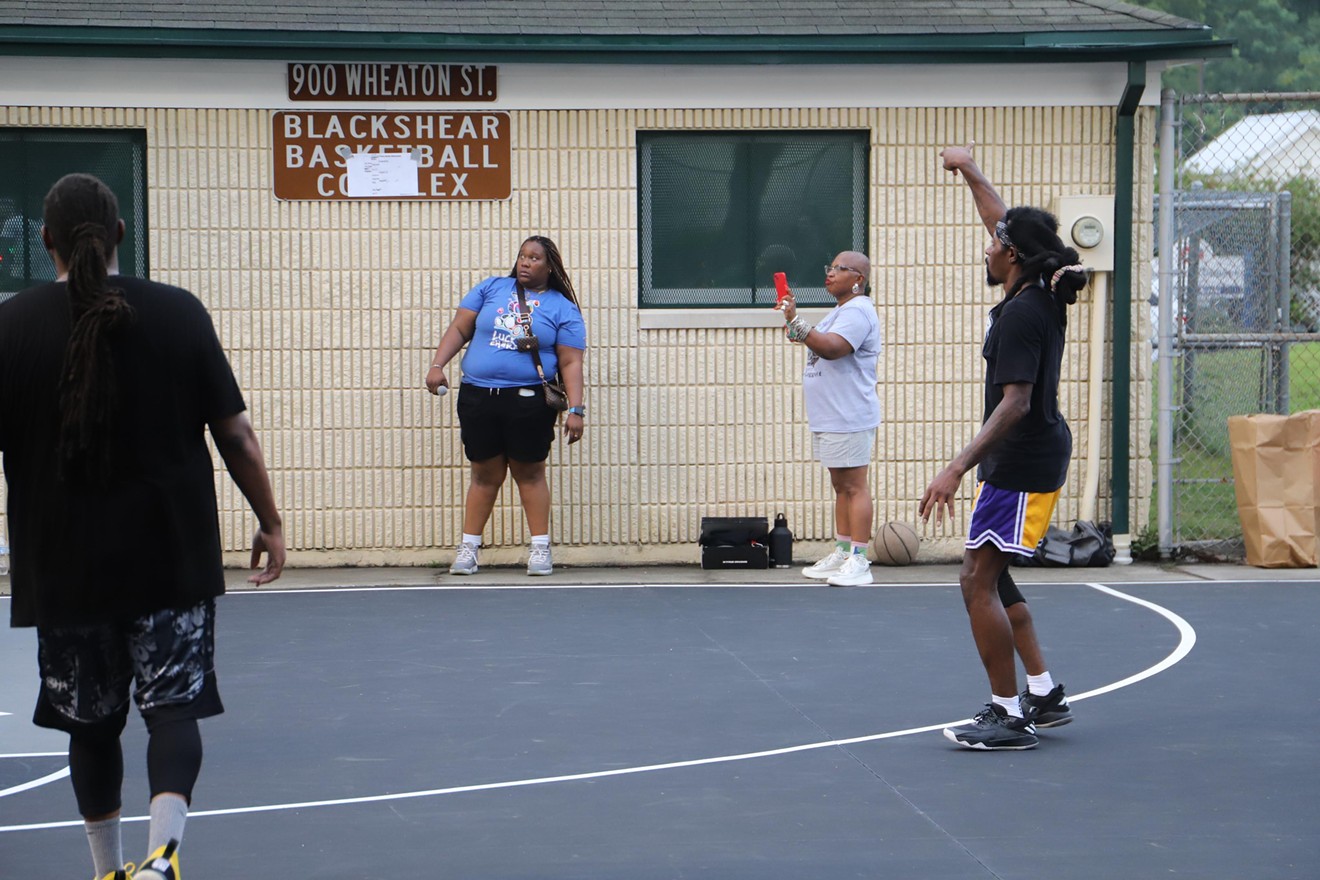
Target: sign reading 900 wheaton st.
[[349, 155]]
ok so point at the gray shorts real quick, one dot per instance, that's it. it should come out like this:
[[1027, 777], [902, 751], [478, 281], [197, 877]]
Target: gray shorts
[[843, 450], [86, 671]]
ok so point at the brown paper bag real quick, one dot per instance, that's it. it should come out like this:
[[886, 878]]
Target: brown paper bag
[[1276, 472]]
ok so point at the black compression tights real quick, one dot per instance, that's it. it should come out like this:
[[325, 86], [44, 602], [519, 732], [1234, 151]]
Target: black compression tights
[[174, 757], [96, 765], [96, 768], [1009, 594]]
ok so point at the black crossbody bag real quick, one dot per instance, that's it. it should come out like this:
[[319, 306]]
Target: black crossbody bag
[[556, 396]]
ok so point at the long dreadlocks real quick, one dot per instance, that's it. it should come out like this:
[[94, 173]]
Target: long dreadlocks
[[1035, 234], [82, 218]]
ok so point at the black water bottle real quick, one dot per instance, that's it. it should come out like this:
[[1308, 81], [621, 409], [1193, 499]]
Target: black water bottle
[[781, 543]]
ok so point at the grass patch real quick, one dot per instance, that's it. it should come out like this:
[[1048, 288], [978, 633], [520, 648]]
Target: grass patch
[[1223, 384]]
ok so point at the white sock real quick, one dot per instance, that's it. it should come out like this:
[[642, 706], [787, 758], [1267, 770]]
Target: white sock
[[107, 845], [843, 542], [858, 548], [543, 540], [474, 540], [1010, 705], [1040, 685], [168, 813]]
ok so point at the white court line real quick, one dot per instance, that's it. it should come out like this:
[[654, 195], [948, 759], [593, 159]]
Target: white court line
[[44, 780], [541, 588], [1186, 639], [57, 775]]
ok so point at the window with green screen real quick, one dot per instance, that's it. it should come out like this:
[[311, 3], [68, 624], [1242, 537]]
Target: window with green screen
[[33, 159], [721, 212]]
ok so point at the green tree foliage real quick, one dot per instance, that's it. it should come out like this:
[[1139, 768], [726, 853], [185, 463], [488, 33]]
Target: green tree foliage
[[1278, 45], [1278, 49]]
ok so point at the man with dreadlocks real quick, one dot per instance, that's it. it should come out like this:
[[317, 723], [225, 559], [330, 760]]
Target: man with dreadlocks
[[107, 387], [1022, 451]]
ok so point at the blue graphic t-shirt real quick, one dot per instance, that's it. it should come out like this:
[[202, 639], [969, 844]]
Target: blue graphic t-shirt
[[491, 359]]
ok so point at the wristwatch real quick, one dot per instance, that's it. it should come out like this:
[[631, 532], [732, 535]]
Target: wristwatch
[[577, 411]]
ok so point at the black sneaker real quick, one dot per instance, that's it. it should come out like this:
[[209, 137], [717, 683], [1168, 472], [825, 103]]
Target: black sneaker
[[994, 729], [1051, 710]]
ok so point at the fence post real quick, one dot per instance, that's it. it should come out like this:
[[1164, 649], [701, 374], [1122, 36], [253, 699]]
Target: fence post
[[1285, 323], [1164, 362]]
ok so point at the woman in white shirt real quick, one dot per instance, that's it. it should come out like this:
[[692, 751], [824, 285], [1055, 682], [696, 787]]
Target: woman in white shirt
[[843, 409]]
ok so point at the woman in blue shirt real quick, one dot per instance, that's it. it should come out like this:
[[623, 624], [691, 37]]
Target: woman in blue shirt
[[505, 423]]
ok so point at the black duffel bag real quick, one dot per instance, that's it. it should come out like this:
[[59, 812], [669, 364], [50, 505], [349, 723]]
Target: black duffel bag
[[1088, 545]]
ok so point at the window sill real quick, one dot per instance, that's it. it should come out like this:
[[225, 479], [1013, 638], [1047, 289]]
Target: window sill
[[695, 319]]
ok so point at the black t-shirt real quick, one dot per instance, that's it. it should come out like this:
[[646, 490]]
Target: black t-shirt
[[150, 539], [1025, 344]]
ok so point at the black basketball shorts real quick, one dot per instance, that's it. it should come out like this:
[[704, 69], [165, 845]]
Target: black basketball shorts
[[512, 422], [86, 671]]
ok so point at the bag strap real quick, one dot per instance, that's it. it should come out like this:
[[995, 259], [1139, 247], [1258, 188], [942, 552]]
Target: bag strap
[[525, 319]]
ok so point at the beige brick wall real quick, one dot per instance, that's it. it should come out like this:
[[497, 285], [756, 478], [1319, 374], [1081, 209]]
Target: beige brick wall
[[330, 310]]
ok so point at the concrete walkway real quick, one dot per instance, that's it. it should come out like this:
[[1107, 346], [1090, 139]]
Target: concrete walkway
[[596, 576]]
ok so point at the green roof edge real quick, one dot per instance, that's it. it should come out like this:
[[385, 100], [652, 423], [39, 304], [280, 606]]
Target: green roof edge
[[634, 49]]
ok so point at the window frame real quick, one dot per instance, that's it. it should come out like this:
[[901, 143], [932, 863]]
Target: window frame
[[760, 293], [133, 207]]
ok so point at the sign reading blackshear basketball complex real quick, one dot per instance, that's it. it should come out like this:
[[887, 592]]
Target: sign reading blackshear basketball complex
[[330, 155]]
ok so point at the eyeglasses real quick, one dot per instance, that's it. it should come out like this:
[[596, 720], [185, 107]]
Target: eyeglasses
[[837, 268]]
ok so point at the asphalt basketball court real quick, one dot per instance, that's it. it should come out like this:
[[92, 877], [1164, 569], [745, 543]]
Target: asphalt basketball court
[[674, 723]]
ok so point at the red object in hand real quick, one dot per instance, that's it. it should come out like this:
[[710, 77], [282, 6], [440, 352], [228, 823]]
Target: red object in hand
[[781, 287]]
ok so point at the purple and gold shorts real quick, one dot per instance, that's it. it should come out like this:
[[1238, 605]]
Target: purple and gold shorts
[[1012, 521]]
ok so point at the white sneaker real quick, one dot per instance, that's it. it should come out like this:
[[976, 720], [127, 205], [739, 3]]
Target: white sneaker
[[855, 572], [827, 566], [465, 560], [538, 560]]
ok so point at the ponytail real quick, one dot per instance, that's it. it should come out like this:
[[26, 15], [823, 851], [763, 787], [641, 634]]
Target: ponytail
[[1044, 255], [82, 218]]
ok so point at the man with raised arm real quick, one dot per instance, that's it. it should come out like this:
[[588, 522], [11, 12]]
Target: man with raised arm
[[1021, 452]]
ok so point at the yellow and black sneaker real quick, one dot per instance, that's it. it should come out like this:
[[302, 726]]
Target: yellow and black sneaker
[[163, 864]]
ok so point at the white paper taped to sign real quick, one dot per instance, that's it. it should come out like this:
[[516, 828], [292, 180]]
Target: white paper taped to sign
[[382, 175]]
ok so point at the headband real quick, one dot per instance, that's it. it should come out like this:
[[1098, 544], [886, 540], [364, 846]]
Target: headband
[[1001, 233]]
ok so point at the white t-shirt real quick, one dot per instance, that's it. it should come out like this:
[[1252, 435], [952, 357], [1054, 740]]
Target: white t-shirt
[[840, 394]]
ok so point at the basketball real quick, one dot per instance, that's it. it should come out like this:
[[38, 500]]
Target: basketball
[[895, 543]]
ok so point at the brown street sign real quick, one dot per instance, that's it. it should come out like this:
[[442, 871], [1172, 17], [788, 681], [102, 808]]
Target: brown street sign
[[346, 155], [381, 83]]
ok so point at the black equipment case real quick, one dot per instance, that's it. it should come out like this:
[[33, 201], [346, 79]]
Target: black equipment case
[[734, 542]]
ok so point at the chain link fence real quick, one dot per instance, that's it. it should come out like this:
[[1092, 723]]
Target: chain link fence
[[1245, 291]]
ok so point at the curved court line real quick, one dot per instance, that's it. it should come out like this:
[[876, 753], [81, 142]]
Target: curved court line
[[1186, 639], [35, 783]]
